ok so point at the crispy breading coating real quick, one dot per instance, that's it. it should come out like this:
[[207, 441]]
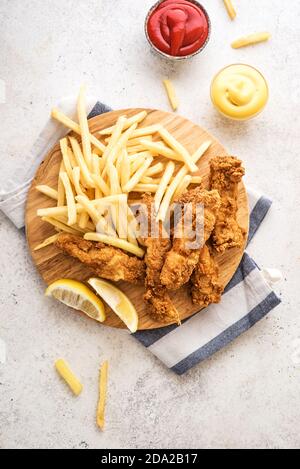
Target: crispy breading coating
[[226, 174], [182, 259], [106, 261]]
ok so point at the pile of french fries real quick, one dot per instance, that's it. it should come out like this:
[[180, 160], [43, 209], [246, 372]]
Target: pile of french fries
[[100, 173]]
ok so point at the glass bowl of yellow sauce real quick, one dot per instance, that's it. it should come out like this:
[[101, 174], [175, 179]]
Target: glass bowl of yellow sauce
[[239, 92]]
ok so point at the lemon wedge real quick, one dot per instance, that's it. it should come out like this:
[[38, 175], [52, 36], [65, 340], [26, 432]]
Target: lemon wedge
[[118, 302], [78, 296]]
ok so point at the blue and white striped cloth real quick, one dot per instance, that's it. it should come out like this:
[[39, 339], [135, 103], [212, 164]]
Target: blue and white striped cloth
[[246, 300]]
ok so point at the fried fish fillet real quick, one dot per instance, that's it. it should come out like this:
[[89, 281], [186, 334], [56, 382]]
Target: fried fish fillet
[[206, 288], [156, 296], [182, 259], [226, 174], [106, 261]]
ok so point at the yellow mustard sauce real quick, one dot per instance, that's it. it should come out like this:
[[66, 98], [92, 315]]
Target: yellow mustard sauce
[[239, 92]]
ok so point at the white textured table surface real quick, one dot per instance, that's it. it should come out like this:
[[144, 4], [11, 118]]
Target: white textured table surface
[[248, 394]]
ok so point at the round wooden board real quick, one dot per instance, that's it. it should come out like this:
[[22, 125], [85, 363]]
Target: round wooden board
[[52, 264]]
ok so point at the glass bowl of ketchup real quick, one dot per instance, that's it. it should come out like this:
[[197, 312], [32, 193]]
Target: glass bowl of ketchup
[[177, 29]]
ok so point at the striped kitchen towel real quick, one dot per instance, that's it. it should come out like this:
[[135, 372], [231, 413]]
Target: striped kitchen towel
[[247, 298]]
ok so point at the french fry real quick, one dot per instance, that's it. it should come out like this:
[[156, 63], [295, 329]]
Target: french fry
[[136, 141], [97, 219], [134, 180], [171, 94], [47, 242], [137, 162], [113, 180], [136, 119], [196, 180], [61, 196], [181, 188], [70, 124], [121, 143], [116, 242], [89, 225], [99, 182], [66, 158], [201, 150], [161, 149], [178, 180], [250, 40], [145, 188], [72, 214], [155, 169], [178, 148], [61, 226], [150, 130], [66, 373], [76, 181], [86, 176], [46, 190], [100, 417], [163, 185], [230, 9], [114, 137]]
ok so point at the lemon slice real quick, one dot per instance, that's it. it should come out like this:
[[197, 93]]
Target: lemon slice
[[78, 296], [118, 302]]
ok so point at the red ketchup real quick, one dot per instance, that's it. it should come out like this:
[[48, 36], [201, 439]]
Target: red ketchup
[[178, 27]]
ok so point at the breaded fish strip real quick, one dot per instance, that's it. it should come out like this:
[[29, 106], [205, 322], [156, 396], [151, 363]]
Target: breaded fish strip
[[226, 174], [106, 261], [206, 288], [181, 259], [156, 296]]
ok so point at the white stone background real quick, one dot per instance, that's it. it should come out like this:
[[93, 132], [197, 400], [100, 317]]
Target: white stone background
[[246, 395]]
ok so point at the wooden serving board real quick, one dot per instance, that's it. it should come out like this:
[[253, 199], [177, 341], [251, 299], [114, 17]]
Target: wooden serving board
[[52, 264]]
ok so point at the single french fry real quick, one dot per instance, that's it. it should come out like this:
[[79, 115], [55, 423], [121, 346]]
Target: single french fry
[[66, 158], [113, 180], [70, 124], [181, 188], [201, 150], [178, 148], [142, 131], [72, 214], [116, 242], [84, 170], [136, 141], [76, 181], [250, 40], [161, 149], [125, 169], [61, 226], [163, 185], [47, 242], [145, 188], [61, 196], [46, 190], [171, 94], [230, 9], [155, 169], [66, 373], [136, 119], [102, 395], [196, 180], [132, 227], [134, 180]]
